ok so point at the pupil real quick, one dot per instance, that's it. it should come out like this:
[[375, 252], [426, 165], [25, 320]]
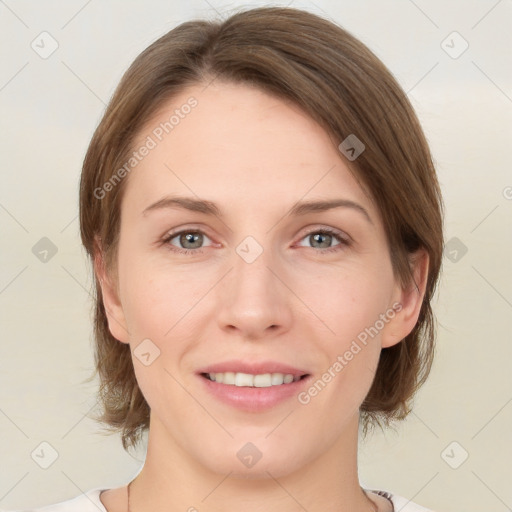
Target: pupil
[[189, 237], [319, 236]]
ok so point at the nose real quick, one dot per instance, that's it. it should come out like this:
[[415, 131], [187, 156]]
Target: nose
[[253, 300]]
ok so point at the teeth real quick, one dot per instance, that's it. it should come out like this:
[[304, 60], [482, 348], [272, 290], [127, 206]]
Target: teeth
[[229, 378], [242, 379], [264, 380]]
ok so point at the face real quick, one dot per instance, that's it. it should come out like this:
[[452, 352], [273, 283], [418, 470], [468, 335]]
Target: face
[[224, 270]]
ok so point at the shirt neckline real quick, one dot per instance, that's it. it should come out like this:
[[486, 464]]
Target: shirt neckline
[[96, 493]]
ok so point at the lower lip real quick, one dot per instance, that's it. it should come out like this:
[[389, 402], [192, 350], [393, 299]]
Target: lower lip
[[253, 399]]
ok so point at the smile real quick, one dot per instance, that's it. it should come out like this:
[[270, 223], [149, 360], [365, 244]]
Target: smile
[[264, 380], [253, 392]]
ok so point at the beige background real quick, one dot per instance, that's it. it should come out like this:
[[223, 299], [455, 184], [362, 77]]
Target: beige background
[[50, 108]]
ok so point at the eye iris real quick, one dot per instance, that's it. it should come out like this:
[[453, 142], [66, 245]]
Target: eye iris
[[192, 238], [321, 238]]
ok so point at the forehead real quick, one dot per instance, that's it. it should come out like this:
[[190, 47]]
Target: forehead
[[237, 143]]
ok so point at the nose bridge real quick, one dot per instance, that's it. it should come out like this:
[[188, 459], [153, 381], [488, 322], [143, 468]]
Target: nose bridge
[[252, 299], [251, 267], [252, 280]]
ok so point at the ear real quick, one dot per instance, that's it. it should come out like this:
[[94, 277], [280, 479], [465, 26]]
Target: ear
[[407, 301], [110, 295]]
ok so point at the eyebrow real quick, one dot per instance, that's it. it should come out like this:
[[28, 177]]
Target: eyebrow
[[210, 208]]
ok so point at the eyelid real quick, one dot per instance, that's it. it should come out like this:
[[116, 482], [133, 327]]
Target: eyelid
[[327, 229], [343, 238], [170, 235], [311, 229]]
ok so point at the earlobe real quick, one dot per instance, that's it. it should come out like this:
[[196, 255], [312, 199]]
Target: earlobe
[[110, 295], [410, 299]]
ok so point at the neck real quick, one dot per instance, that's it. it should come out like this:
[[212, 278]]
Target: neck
[[172, 480]]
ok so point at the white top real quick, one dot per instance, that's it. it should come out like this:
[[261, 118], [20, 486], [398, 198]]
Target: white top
[[90, 502]]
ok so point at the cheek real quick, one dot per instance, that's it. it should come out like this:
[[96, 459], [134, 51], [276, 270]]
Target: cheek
[[351, 305], [158, 307], [349, 300], [155, 294]]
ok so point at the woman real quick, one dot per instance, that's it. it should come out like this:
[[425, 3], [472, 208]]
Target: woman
[[265, 224]]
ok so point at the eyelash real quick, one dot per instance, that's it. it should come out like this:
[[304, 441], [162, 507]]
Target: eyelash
[[343, 241]]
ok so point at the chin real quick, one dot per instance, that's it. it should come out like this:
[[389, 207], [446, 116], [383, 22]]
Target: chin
[[249, 462]]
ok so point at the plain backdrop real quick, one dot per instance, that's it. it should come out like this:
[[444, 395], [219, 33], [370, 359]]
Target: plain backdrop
[[453, 60]]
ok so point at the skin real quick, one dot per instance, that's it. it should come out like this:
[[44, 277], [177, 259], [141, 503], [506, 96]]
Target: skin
[[255, 156]]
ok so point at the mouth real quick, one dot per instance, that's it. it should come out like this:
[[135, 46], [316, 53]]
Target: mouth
[[253, 387], [248, 380]]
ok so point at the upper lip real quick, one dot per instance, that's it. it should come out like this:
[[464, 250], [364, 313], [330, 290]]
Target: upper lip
[[254, 368]]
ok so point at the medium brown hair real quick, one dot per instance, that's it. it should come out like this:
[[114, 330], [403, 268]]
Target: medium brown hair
[[340, 83]]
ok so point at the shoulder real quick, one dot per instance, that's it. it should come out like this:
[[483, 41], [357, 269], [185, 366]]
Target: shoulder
[[90, 502], [87, 502], [399, 503]]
